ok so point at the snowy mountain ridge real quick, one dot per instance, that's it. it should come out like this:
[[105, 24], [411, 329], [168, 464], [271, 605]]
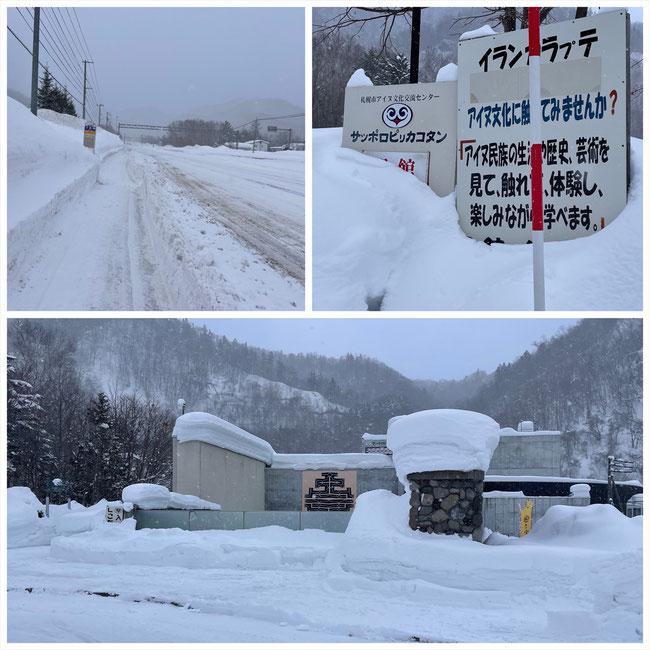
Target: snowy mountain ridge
[[585, 382]]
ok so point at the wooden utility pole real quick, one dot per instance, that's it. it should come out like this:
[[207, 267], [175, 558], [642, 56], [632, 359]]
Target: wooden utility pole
[[415, 45], [37, 26], [85, 88]]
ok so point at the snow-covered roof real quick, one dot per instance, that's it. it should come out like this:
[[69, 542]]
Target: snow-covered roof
[[485, 30], [503, 478], [331, 461], [509, 431], [204, 427], [373, 436], [442, 440]]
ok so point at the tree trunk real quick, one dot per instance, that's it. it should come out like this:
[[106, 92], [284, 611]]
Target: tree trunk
[[509, 19]]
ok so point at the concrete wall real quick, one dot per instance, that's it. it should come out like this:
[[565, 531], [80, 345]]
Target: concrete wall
[[527, 455], [234, 481], [334, 522], [502, 513], [284, 486]]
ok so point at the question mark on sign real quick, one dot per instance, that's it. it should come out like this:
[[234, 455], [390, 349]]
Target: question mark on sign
[[614, 96]]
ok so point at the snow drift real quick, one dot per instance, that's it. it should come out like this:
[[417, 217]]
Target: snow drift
[[26, 528], [381, 237], [46, 158]]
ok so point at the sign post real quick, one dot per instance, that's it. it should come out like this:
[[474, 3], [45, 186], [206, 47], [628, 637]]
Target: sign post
[[89, 135], [114, 514], [582, 66], [536, 198], [526, 517]]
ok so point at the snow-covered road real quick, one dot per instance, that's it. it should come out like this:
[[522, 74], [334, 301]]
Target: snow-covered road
[[167, 229], [259, 196]]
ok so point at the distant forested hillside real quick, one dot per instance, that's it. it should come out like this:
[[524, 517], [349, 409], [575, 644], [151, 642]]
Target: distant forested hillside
[[69, 377]]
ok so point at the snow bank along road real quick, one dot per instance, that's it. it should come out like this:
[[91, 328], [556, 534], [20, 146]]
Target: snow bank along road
[[194, 228]]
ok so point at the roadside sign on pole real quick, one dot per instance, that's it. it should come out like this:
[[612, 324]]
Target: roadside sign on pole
[[272, 128], [584, 117], [89, 135]]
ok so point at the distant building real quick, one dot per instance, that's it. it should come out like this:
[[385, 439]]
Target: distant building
[[255, 145], [217, 461]]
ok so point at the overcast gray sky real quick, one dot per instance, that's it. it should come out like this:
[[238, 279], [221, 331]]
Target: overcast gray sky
[[173, 59], [418, 348]]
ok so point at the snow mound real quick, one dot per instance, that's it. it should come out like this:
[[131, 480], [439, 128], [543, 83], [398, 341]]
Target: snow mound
[[205, 427], [150, 496], [594, 583], [26, 528], [276, 548], [485, 30], [359, 78], [448, 72], [380, 233], [599, 527], [46, 152], [440, 440]]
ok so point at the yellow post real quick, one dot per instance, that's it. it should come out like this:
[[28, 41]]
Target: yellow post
[[526, 515]]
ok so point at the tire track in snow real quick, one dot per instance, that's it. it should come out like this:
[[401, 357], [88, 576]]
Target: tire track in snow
[[278, 240]]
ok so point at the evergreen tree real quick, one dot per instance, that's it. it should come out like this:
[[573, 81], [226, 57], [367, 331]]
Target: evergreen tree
[[29, 456], [47, 93], [53, 98]]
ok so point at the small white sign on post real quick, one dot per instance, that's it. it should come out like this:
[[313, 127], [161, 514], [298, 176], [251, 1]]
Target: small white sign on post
[[114, 514], [89, 135], [400, 121], [584, 104]]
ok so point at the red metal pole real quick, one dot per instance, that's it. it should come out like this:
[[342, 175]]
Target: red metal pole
[[537, 205]]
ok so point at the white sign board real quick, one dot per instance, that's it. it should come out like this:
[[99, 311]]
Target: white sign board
[[584, 130], [90, 131], [114, 514], [408, 118], [413, 163]]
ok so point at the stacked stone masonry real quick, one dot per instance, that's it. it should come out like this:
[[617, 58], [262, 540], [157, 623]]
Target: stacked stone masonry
[[447, 503]]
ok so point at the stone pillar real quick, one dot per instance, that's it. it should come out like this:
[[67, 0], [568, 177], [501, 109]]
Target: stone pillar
[[447, 502]]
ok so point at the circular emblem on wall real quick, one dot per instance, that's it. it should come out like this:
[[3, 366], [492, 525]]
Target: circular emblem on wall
[[397, 115]]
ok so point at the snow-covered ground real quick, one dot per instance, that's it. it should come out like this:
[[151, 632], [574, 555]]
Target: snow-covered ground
[[575, 578], [381, 237], [141, 227]]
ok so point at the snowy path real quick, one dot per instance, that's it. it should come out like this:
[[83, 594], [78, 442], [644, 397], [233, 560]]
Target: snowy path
[[141, 238]]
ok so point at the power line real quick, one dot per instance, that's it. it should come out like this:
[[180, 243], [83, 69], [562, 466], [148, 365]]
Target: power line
[[40, 63], [72, 40], [57, 62], [265, 119], [93, 71], [64, 40], [61, 51]]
